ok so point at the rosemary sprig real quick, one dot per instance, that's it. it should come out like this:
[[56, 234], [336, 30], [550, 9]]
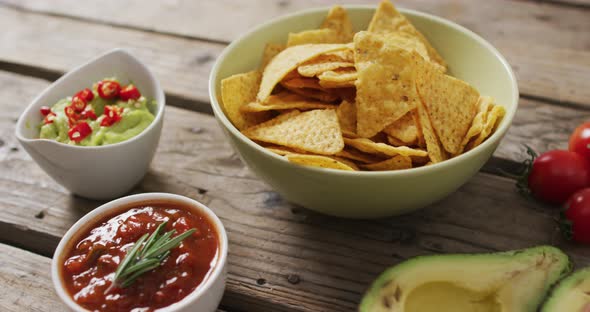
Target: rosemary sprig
[[143, 258]]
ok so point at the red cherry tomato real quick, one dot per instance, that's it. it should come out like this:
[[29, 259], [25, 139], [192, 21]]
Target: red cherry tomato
[[45, 110], [112, 114], [86, 94], [577, 216], [78, 103], [108, 89], [129, 92], [557, 174], [49, 118], [88, 114], [580, 140], [79, 132]]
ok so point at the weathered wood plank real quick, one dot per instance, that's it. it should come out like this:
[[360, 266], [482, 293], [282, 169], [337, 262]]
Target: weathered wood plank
[[25, 279], [57, 45], [583, 4], [547, 44], [282, 257]]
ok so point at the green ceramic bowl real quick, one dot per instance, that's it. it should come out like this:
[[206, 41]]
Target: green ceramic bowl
[[370, 194]]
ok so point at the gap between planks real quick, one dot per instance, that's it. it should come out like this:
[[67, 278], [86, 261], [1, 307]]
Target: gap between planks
[[271, 238], [183, 64]]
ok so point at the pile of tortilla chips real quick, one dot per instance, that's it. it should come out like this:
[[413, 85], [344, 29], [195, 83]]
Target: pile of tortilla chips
[[375, 100]]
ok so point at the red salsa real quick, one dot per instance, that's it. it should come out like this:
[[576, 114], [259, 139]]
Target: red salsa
[[90, 264]]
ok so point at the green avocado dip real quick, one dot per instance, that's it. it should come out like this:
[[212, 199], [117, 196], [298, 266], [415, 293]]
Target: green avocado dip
[[106, 114]]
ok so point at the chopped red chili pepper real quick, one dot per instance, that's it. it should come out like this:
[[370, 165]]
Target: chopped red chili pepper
[[129, 92], [78, 103], [79, 132], [108, 89], [88, 114], [86, 94], [49, 118], [73, 117], [112, 114], [45, 110]]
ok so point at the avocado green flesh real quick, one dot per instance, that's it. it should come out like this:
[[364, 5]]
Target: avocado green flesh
[[515, 281], [135, 118], [572, 294]]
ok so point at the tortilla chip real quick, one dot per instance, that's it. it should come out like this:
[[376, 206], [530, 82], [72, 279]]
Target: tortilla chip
[[284, 100], [395, 163], [280, 150], [314, 36], [321, 161], [239, 90], [311, 83], [342, 75], [315, 94], [371, 147], [385, 83], [435, 151], [479, 120], [346, 112], [270, 51], [387, 20], [404, 129], [395, 141], [494, 118], [338, 21], [356, 155], [314, 69], [346, 55], [451, 105], [315, 131], [288, 60], [408, 42], [335, 85]]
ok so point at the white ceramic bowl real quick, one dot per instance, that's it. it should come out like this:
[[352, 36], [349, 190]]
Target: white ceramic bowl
[[97, 172], [363, 194], [205, 298]]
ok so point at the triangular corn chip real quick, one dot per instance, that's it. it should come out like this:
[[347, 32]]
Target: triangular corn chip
[[338, 21], [286, 61], [395, 163], [314, 69], [371, 147], [435, 151], [322, 162], [494, 118], [451, 105], [388, 20], [315, 131], [270, 51], [285, 100], [479, 120], [346, 112], [237, 91], [385, 83], [404, 129]]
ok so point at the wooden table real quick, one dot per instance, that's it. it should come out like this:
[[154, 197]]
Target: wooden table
[[282, 257]]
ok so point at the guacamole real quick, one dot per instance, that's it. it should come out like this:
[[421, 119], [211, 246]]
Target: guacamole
[[107, 114]]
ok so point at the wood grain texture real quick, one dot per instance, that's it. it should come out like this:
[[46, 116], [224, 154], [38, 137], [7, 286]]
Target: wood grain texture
[[28, 277], [283, 257], [58, 45], [546, 44]]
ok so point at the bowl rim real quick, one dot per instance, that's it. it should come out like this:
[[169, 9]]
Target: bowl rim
[[216, 273], [493, 139], [158, 116]]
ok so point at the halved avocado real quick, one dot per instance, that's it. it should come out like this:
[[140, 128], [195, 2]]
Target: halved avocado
[[514, 281], [571, 294]]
